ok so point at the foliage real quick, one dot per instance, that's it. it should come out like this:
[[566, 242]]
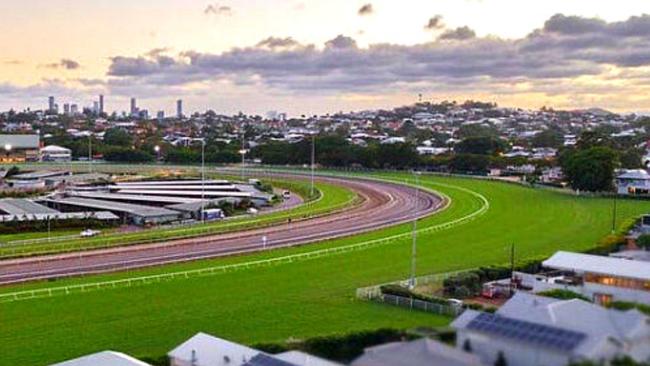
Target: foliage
[[127, 155], [563, 294], [548, 138], [625, 305], [643, 241], [591, 169], [118, 137], [480, 145], [469, 163]]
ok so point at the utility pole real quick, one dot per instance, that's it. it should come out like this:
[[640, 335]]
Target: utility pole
[[614, 214], [414, 230], [313, 162], [512, 268], [90, 153]]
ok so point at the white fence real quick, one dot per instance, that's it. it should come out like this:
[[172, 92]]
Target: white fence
[[209, 271]]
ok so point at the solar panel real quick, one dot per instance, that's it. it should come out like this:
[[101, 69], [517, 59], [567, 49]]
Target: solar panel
[[537, 334], [263, 359]]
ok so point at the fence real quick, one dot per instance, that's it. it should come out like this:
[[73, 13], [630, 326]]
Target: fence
[[209, 271], [414, 304]]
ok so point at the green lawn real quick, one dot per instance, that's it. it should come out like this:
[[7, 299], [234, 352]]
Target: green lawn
[[305, 298]]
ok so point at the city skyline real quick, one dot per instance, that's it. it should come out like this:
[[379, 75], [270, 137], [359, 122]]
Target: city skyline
[[288, 55]]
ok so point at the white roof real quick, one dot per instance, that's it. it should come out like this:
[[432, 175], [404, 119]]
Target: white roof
[[422, 352], [303, 359], [598, 264], [598, 323], [105, 358], [54, 148], [635, 174], [212, 351]]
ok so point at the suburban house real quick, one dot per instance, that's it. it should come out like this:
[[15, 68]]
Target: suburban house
[[206, 350], [421, 352], [633, 182], [602, 279], [105, 358], [542, 331], [55, 153]]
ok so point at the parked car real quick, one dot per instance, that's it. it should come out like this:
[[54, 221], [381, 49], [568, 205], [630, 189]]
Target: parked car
[[88, 233]]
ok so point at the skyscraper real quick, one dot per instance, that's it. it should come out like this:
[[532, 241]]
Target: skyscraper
[[179, 108], [101, 103], [134, 107], [50, 107]]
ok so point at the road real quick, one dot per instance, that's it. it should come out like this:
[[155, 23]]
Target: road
[[383, 204]]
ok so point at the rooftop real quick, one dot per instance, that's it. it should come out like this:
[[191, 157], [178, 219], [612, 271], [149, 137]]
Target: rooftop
[[611, 266], [105, 358]]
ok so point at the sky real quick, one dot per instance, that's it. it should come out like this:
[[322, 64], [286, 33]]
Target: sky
[[307, 57]]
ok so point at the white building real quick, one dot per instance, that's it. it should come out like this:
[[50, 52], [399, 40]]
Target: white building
[[55, 153], [603, 279], [105, 358], [633, 182], [531, 330], [206, 350]]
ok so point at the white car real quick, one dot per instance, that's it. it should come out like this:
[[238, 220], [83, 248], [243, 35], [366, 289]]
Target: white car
[[88, 233]]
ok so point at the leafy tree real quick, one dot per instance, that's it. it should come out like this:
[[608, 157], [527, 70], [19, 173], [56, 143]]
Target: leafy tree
[[481, 145], [469, 163], [548, 138], [118, 137], [127, 155], [591, 169], [631, 158]]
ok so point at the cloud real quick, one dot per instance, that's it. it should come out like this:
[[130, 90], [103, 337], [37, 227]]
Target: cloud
[[366, 9], [435, 23], [458, 34], [563, 51], [216, 9], [65, 63]]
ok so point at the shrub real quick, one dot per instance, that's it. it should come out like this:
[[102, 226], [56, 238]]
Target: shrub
[[563, 295]]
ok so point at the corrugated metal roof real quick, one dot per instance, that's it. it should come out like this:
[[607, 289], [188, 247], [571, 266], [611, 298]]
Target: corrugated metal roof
[[20, 141], [105, 358], [598, 264], [138, 210], [20, 206]]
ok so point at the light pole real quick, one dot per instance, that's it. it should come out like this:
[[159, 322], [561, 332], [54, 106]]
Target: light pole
[[243, 152], [313, 159], [157, 150], [203, 180], [415, 229], [8, 148]]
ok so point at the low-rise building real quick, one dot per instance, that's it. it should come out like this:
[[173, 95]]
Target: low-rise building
[[602, 279], [19, 148], [53, 153], [206, 350], [542, 331], [105, 358], [633, 183], [421, 352]]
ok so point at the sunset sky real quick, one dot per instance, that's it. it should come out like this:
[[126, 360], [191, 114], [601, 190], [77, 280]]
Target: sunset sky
[[325, 56]]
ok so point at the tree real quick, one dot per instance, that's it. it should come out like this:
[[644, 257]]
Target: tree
[[118, 137], [465, 163], [127, 155], [631, 158], [481, 145], [501, 360], [548, 138], [591, 169]]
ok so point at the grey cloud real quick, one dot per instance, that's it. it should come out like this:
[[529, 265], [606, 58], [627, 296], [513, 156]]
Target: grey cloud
[[216, 9], [435, 23], [560, 50], [458, 34], [366, 9], [65, 63]]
